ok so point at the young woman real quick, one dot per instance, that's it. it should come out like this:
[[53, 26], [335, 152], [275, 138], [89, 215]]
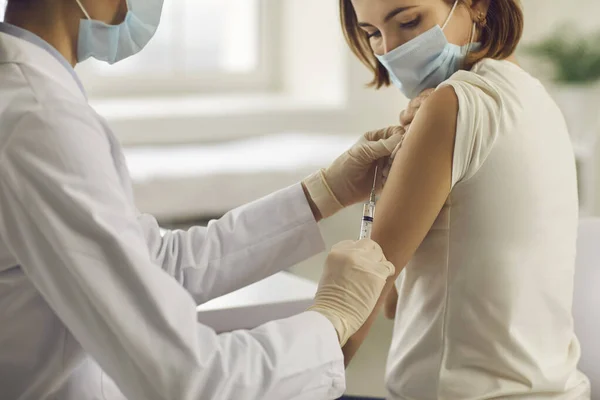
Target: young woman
[[479, 213]]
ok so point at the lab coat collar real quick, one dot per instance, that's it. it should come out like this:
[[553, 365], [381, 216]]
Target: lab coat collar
[[32, 38]]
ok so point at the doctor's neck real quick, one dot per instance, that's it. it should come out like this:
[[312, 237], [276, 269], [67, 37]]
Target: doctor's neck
[[56, 22]]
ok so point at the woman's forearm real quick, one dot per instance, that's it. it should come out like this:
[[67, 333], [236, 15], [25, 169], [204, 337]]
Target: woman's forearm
[[391, 301], [354, 343]]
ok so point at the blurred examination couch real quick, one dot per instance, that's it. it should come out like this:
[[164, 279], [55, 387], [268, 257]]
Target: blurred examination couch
[[195, 182]]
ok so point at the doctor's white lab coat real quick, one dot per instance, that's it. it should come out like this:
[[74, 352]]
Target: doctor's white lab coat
[[95, 304]]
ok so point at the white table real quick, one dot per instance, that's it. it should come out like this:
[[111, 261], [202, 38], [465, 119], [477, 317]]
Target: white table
[[279, 296]]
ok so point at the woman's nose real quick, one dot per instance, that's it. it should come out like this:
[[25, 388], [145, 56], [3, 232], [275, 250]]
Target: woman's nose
[[391, 42]]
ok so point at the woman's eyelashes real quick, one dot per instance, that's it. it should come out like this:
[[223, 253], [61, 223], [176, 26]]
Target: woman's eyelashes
[[403, 25], [411, 24]]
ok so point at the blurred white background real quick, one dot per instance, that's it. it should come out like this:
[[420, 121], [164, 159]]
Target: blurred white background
[[236, 98]]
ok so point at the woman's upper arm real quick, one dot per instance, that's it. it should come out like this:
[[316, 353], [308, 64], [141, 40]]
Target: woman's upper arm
[[420, 179]]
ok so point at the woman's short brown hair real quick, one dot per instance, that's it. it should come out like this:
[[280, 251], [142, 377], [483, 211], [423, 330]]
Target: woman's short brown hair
[[500, 36]]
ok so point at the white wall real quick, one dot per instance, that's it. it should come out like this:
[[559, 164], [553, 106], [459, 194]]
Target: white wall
[[543, 16]]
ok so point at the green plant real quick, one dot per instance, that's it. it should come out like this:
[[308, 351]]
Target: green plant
[[576, 58]]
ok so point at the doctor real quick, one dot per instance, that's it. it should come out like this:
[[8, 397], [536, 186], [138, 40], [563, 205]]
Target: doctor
[[94, 302]]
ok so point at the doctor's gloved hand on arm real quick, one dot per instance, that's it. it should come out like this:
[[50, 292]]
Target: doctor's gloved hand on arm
[[408, 115], [349, 179]]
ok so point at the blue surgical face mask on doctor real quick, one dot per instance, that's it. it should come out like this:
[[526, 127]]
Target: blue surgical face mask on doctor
[[112, 43], [425, 61]]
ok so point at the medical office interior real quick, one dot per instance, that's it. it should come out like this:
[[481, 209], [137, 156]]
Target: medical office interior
[[234, 99]]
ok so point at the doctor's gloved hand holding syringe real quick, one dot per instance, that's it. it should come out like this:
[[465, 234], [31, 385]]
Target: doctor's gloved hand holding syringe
[[355, 274]]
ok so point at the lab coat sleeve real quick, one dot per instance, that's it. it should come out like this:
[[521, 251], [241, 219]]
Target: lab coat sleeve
[[66, 218], [244, 246]]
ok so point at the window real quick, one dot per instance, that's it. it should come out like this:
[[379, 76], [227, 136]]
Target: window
[[200, 46]]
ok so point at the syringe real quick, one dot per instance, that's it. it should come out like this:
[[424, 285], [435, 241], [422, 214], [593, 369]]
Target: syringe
[[368, 213]]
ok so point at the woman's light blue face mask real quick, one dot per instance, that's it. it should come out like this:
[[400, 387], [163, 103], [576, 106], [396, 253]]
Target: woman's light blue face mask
[[112, 43], [426, 61]]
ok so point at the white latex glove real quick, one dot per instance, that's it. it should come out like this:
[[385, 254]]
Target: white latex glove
[[354, 276], [349, 179]]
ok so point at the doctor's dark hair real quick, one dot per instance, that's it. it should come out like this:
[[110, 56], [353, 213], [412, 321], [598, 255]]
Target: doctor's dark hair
[[500, 35]]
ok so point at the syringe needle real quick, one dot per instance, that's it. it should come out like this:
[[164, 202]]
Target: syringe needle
[[372, 197]]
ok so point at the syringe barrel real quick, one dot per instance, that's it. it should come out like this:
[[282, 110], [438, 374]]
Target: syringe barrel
[[367, 220]]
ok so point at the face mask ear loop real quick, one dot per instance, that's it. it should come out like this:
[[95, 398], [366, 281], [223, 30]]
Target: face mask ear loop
[[83, 9], [471, 38], [450, 15]]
